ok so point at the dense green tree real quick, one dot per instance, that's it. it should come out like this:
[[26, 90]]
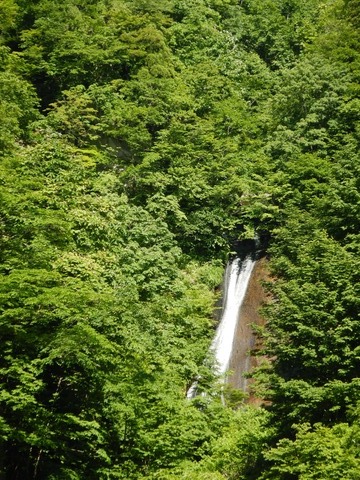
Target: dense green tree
[[326, 453], [95, 311], [312, 333]]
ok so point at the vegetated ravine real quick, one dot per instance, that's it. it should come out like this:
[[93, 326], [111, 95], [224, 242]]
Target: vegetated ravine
[[141, 142]]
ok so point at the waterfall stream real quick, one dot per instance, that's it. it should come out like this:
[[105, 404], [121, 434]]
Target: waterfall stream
[[237, 277]]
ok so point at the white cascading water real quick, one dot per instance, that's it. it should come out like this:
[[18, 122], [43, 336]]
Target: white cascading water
[[238, 277], [236, 281]]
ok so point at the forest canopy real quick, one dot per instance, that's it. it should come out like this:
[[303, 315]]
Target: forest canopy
[[140, 143]]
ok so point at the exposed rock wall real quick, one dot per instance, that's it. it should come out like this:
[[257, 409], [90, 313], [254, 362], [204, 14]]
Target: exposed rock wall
[[245, 341]]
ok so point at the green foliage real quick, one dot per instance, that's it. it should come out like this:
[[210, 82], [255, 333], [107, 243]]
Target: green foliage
[[8, 14], [326, 453], [104, 322], [169, 131], [233, 455], [18, 97], [278, 30], [311, 210]]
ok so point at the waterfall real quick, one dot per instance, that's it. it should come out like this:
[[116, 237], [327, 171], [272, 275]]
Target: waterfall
[[237, 278]]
